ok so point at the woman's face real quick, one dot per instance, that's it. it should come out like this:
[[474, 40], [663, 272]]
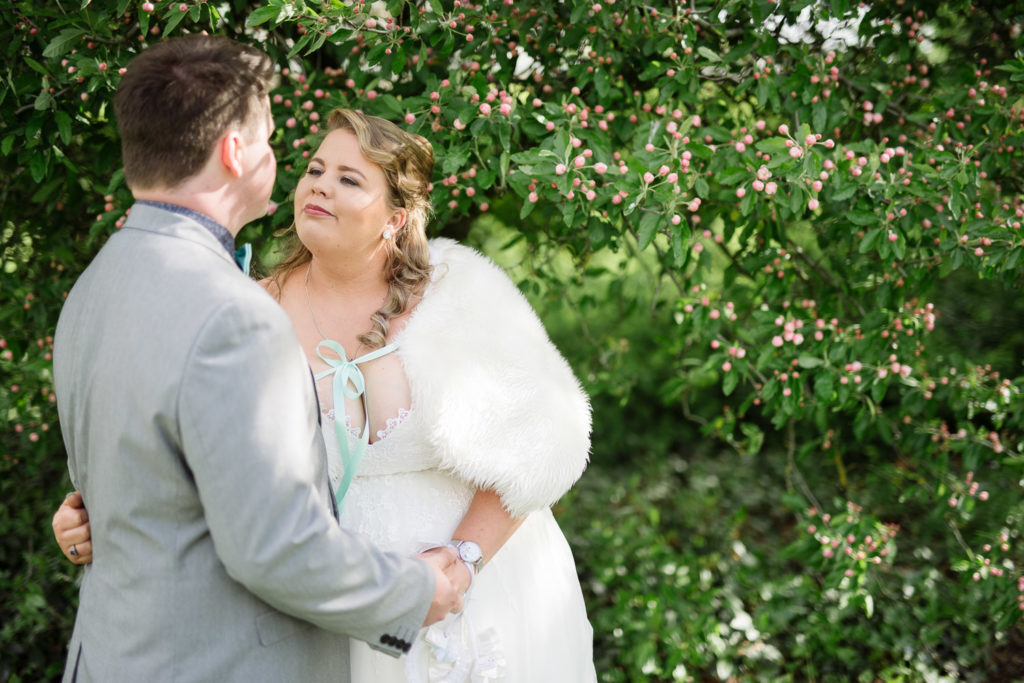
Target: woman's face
[[341, 201]]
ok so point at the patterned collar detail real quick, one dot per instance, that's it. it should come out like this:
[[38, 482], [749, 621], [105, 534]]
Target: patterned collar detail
[[215, 228]]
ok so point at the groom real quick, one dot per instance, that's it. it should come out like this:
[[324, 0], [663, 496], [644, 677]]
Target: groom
[[190, 419]]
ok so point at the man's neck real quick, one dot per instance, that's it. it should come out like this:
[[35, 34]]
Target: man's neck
[[212, 204]]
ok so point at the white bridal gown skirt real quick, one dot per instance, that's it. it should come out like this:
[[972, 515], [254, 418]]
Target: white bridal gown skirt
[[524, 621]]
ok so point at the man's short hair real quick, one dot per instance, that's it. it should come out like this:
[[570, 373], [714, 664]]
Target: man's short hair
[[178, 97]]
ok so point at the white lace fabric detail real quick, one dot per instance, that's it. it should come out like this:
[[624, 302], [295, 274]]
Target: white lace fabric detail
[[329, 415], [392, 423], [389, 426]]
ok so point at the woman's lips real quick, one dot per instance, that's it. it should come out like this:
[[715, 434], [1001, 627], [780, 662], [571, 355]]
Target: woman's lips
[[315, 210]]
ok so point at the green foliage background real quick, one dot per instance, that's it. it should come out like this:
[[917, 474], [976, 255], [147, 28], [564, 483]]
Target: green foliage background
[[807, 460]]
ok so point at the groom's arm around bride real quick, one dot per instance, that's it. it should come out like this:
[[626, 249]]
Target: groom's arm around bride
[[190, 418]]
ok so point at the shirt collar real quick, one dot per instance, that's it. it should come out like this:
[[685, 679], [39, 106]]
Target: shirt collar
[[216, 229]]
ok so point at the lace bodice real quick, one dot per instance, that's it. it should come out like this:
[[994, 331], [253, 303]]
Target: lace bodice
[[398, 497]]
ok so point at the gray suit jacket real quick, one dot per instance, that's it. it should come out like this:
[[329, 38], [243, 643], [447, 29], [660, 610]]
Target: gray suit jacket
[[190, 422]]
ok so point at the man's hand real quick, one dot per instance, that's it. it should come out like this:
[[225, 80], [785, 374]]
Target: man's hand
[[447, 598], [71, 529]]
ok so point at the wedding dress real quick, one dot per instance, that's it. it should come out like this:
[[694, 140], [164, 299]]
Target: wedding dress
[[524, 620]]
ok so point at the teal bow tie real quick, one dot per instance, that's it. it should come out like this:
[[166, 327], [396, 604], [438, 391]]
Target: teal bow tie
[[243, 257]]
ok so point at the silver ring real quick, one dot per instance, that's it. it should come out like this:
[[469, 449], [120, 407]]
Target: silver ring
[[73, 552]]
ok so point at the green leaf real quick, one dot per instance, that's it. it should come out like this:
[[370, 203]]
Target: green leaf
[[807, 361], [730, 381], [823, 386], [845, 193], [36, 66], [741, 50], [708, 54], [701, 187], [601, 83], [869, 241], [60, 45], [7, 144], [862, 217], [732, 176], [678, 251], [262, 15], [527, 207], [398, 60], [747, 203], [773, 146], [299, 45], [647, 229], [37, 166], [819, 116], [44, 100], [64, 126], [176, 17]]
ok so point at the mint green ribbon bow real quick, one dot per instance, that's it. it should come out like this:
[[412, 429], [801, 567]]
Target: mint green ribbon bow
[[349, 383]]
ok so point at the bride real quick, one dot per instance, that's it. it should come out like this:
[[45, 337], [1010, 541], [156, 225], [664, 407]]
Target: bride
[[449, 416]]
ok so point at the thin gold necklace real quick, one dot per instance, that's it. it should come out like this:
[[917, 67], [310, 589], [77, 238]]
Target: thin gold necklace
[[309, 302]]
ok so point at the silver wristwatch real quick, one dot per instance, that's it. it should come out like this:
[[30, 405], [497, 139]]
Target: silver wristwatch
[[470, 553]]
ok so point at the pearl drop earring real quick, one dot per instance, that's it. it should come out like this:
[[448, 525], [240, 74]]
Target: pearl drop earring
[[386, 234]]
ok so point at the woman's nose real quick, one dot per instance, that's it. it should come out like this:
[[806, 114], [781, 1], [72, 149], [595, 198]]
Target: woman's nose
[[318, 186]]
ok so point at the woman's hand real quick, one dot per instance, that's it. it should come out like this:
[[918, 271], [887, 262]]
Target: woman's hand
[[71, 529]]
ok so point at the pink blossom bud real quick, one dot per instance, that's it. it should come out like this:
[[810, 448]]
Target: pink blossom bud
[[771, 188], [648, 177], [485, 108], [813, 204], [740, 191], [600, 167]]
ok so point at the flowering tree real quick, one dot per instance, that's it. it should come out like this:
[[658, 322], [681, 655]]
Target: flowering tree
[[793, 183]]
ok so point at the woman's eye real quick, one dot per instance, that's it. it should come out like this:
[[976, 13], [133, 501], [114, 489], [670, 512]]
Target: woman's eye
[[314, 171], [349, 181]]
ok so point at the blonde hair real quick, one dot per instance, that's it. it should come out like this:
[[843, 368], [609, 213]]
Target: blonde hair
[[408, 163]]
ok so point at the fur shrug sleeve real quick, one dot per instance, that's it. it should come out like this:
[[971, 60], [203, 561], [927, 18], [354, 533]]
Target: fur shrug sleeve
[[502, 407]]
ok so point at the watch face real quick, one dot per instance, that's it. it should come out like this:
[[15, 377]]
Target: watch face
[[470, 552]]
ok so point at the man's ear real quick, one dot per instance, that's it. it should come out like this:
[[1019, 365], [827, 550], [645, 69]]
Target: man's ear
[[232, 148]]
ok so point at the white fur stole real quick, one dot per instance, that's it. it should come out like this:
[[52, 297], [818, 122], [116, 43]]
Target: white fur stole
[[501, 405]]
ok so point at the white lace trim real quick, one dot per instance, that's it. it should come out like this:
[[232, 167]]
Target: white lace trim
[[329, 415], [392, 424], [389, 427]]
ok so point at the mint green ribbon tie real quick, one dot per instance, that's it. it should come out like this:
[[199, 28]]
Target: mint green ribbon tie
[[348, 383]]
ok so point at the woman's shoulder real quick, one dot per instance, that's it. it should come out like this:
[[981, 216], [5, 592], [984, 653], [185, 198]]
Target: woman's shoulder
[[458, 263]]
